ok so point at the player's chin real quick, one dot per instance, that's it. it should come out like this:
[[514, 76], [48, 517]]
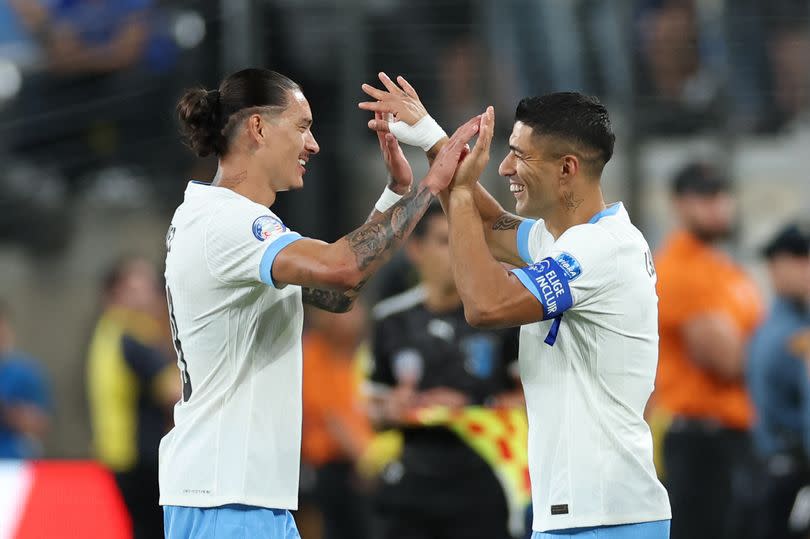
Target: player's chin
[[297, 183]]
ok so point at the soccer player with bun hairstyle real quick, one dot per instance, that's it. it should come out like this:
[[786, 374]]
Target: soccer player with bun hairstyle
[[236, 276], [583, 292]]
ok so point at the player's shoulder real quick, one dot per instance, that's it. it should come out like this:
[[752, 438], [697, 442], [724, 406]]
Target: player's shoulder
[[398, 305]]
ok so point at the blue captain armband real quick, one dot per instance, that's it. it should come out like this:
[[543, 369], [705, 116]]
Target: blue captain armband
[[549, 283]]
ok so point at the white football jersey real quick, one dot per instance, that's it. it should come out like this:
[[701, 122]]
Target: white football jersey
[[237, 433], [588, 370]]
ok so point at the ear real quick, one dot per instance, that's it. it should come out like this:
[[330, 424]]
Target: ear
[[569, 167], [256, 128]]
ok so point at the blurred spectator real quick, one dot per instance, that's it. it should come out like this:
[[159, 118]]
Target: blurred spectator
[[430, 369], [680, 93], [132, 387], [25, 398], [789, 49], [708, 307], [336, 430], [558, 45], [779, 382], [95, 52]]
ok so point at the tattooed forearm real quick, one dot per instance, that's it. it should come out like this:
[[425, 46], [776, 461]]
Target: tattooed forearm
[[374, 241], [507, 221], [332, 300], [571, 202], [328, 300]]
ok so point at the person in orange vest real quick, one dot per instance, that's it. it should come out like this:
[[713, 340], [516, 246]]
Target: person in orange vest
[[708, 309], [336, 430]]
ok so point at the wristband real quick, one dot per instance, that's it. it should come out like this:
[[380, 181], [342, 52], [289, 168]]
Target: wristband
[[425, 133], [387, 199]]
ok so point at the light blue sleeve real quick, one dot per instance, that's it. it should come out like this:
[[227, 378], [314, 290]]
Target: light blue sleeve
[[270, 254], [523, 233]]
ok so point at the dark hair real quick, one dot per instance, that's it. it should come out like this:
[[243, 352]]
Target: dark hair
[[572, 117], [421, 228], [205, 115], [699, 178]]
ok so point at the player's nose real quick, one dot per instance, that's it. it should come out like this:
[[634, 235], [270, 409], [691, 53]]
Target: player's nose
[[311, 145], [507, 166]]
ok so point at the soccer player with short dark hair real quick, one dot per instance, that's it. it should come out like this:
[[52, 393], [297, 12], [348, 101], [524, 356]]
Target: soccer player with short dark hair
[[583, 292]]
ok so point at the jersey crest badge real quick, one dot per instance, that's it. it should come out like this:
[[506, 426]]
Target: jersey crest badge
[[570, 265], [267, 225]]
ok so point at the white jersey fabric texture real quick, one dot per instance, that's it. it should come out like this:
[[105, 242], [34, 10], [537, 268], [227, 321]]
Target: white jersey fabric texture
[[588, 372], [237, 433]]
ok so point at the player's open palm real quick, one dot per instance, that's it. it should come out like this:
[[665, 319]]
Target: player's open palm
[[402, 103], [447, 160], [473, 165]]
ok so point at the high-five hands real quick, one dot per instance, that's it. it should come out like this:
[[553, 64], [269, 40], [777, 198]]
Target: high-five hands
[[473, 165], [401, 113], [447, 160]]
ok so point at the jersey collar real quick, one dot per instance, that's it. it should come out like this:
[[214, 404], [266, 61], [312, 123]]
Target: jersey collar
[[613, 209]]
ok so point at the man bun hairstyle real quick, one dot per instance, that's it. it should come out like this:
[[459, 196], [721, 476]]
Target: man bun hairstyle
[[571, 117], [207, 117]]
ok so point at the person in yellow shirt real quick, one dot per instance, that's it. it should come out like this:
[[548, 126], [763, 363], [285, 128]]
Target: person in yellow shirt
[[132, 385], [708, 309]]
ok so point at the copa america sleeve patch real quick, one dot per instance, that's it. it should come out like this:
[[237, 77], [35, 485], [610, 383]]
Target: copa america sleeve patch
[[569, 264], [548, 281], [267, 226]]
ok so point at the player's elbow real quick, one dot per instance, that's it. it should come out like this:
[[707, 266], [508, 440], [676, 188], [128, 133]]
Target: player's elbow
[[344, 278], [480, 316]]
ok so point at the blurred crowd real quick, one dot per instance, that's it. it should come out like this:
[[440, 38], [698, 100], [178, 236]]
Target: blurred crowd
[[413, 421], [87, 87]]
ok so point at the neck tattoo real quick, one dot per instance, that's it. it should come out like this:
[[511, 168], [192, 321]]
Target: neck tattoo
[[234, 180], [571, 202]]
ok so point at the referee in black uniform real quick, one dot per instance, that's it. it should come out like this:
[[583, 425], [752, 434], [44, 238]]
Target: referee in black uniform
[[426, 354]]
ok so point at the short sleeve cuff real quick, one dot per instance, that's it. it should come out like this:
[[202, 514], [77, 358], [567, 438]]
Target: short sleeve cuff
[[523, 240], [270, 254]]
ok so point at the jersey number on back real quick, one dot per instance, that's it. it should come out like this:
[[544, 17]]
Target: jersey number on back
[[648, 262], [179, 349]]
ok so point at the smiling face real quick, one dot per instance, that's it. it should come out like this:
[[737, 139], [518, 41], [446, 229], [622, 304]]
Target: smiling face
[[286, 143], [533, 174]]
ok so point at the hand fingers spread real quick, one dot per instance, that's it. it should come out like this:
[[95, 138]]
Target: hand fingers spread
[[389, 84], [374, 92], [407, 87]]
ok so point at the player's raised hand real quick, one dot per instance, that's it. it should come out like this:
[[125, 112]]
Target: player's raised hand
[[402, 113], [399, 170], [473, 165], [401, 102], [447, 160]]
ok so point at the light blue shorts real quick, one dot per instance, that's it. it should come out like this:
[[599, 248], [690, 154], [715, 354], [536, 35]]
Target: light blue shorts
[[644, 530], [228, 521]]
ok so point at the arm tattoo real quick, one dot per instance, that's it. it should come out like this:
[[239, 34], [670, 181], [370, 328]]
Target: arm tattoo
[[374, 240], [507, 221], [571, 202], [371, 243]]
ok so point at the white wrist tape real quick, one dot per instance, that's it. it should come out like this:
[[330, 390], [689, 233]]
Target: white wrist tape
[[425, 133], [387, 199]]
